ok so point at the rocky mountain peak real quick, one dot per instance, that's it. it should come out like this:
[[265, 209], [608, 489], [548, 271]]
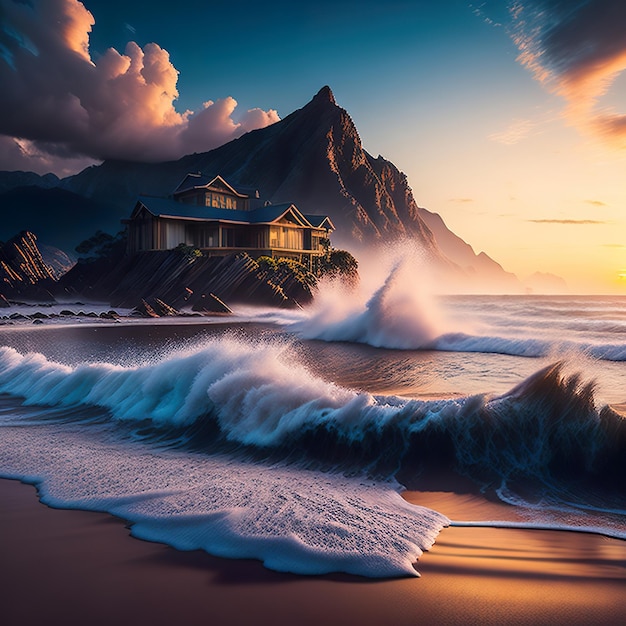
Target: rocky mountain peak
[[325, 94]]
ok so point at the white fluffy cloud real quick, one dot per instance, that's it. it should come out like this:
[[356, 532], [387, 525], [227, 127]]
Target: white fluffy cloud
[[56, 100]]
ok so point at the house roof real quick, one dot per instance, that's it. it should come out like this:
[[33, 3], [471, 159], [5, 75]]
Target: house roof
[[199, 181], [320, 221], [167, 208]]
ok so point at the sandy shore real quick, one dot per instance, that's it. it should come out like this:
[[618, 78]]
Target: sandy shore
[[75, 567]]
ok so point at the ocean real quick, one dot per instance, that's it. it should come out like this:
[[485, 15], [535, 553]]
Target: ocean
[[289, 436]]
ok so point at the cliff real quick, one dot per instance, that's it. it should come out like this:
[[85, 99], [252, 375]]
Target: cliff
[[23, 272], [179, 278], [482, 269]]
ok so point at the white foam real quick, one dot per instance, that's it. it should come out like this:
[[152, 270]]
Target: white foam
[[256, 391], [293, 520], [397, 314]]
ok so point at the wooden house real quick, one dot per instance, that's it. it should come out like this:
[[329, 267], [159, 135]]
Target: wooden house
[[219, 219]]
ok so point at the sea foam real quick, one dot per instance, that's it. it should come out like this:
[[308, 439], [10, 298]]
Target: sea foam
[[293, 520], [265, 405]]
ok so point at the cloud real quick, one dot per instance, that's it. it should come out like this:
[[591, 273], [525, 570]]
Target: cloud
[[576, 49], [517, 130], [120, 106], [22, 154], [596, 202], [461, 200], [574, 222]]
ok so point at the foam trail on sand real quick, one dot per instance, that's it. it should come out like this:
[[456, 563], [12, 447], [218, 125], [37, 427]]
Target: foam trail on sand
[[293, 520]]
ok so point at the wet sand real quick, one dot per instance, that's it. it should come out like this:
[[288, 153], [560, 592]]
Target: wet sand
[[76, 567]]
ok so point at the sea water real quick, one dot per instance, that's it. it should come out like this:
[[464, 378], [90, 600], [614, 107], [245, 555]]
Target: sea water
[[287, 436]]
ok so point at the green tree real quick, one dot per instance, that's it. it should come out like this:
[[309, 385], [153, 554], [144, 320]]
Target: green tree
[[340, 264], [100, 244]]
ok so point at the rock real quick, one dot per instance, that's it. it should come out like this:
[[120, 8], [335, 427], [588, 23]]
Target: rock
[[109, 315], [211, 304], [22, 269], [144, 310], [163, 309], [38, 316]]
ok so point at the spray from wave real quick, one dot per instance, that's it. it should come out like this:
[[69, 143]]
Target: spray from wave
[[398, 309], [398, 314]]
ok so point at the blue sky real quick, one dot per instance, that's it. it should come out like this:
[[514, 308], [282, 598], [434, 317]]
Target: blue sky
[[506, 116]]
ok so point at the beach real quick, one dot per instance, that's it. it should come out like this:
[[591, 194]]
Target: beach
[[123, 417], [77, 567]]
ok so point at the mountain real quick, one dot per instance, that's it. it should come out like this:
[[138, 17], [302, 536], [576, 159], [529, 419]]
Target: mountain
[[10, 180], [313, 157], [480, 267], [542, 283], [59, 217]]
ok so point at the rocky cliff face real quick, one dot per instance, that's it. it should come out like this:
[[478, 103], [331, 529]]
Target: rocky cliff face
[[23, 271], [485, 273], [180, 280]]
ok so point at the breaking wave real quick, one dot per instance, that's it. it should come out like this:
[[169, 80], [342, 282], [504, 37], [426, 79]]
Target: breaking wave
[[401, 314], [255, 397], [221, 448]]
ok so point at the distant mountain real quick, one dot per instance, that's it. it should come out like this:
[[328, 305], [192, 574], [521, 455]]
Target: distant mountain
[[313, 157], [544, 283], [482, 268], [11, 180], [58, 217]]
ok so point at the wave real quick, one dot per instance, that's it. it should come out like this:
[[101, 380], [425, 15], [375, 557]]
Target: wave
[[523, 346], [270, 426], [257, 398], [399, 314]]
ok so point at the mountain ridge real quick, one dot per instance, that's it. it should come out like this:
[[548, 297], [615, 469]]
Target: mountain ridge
[[313, 157]]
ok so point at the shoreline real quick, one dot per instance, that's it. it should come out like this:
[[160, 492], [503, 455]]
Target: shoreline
[[74, 567]]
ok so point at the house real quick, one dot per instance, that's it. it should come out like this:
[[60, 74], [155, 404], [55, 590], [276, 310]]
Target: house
[[219, 219]]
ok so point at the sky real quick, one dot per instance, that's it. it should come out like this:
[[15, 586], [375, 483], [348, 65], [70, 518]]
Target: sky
[[508, 117]]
